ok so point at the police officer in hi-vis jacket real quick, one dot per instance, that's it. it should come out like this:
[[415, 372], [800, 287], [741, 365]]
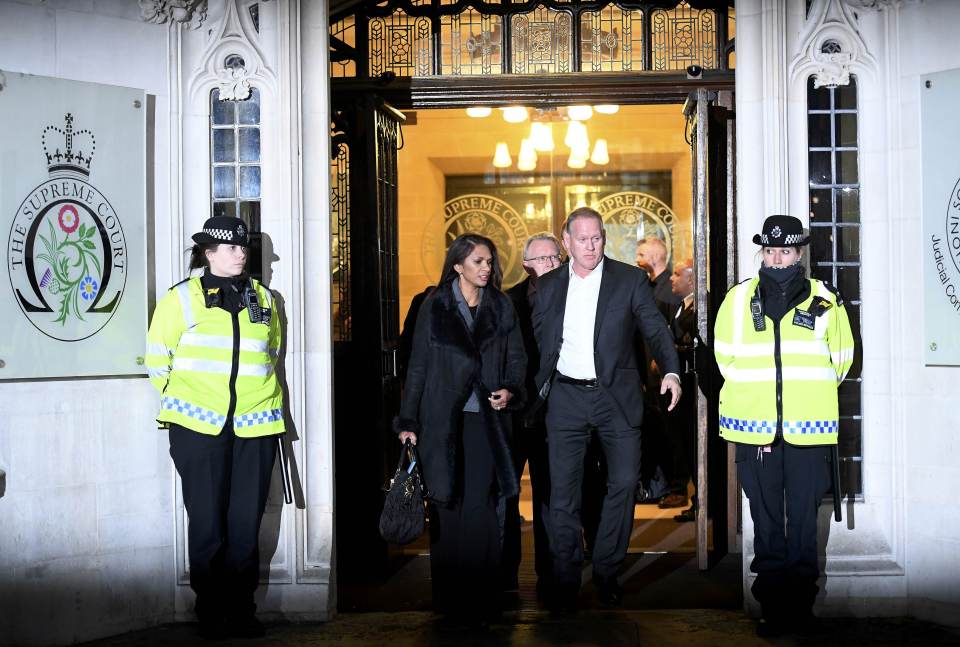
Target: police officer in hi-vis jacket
[[211, 350], [783, 344]]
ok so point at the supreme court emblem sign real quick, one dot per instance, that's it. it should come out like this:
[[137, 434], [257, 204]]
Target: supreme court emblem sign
[[72, 197]]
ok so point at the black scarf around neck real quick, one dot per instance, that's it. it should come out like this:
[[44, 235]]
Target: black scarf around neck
[[782, 289]]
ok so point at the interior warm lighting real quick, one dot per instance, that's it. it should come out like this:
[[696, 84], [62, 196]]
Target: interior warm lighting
[[575, 161], [541, 135], [600, 154], [514, 114], [527, 157], [479, 112], [576, 138], [579, 113], [501, 158], [530, 211], [607, 109]]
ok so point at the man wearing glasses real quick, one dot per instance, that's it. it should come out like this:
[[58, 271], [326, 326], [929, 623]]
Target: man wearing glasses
[[540, 255]]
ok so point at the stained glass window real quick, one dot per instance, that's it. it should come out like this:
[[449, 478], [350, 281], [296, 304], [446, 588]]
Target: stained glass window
[[542, 42], [611, 40], [471, 44], [683, 36], [400, 44]]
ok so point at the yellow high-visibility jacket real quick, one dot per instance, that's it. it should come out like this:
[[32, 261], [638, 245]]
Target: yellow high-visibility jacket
[[195, 356], [782, 379]]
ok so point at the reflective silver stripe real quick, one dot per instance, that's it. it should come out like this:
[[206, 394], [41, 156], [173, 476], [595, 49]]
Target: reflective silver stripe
[[201, 365], [159, 349], [183, 291], [158, 372], [222, 368], [219, 341], [791, 373], [255, 370]]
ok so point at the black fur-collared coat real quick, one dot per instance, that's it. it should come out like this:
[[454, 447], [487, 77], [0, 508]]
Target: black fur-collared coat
[[446, 363]]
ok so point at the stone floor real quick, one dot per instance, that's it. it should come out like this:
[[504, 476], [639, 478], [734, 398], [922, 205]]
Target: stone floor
[[667, 628]]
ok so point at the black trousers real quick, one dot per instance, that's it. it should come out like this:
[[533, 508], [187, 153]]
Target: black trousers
[[465, 533], [788, 482], [573, 412], [529, 445], [682, 422], [225, 482]]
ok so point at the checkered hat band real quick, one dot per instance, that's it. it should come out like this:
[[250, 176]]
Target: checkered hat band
[[220, 234], [789, 239], [789, 427]]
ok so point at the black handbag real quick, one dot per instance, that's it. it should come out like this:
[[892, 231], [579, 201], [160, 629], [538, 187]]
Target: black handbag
[[404, 518]]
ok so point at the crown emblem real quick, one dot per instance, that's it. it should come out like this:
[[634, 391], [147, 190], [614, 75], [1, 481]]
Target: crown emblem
[[776, 232], [241, 231], [73, 153]]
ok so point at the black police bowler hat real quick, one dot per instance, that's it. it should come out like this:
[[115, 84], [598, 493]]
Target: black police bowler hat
[[223, 229], [781, 231]]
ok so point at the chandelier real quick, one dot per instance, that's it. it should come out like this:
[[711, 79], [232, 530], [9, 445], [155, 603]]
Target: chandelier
[[540, 138]]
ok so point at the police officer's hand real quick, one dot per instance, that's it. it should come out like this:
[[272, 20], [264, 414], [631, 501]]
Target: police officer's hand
[[405, 435], [500, 398], [672, 384]]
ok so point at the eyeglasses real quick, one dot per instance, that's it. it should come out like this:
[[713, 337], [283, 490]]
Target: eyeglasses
[[543, 260]]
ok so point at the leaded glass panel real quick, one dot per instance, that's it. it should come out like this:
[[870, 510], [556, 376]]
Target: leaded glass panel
[[542, 42], [400, 44], [345, 32], [611, 40], [340, 243], [683, 36], [470, 43]]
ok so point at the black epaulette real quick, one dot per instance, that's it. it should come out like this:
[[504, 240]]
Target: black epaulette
[[835, 291], [179, 283]]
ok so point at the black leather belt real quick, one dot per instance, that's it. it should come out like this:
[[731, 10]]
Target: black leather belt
[[590, 384]]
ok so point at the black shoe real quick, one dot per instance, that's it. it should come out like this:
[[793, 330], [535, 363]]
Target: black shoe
[[609, 593], [212, 629], [245, 627], [563, 600]]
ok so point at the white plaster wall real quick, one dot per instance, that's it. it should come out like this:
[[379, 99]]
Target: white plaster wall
[[86, 542], [898, 551]]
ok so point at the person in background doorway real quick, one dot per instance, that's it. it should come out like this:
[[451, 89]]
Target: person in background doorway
[[211, 351], [681, 422], [464, 379], [541, 254], [584, 319], [783, 344], [652, 259]]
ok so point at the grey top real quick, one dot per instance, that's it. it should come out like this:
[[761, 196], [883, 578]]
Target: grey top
[[473, 403]]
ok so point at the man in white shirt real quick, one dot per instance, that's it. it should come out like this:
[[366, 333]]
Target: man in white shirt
[[584, 320]]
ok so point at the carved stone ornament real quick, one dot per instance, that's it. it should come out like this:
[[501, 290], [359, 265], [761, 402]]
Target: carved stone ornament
[[233, 84], [833, 69], [880, 5], [185, 12], [831, 45]]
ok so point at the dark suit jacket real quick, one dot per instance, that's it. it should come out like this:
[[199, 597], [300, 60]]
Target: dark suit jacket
[[625, 305]]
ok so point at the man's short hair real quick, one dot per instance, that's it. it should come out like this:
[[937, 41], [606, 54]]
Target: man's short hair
[[654, 242], [543, 235], [583, 212]]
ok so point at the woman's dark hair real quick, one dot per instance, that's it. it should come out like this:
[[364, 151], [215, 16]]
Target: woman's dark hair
[[460, 249], [198, 255]]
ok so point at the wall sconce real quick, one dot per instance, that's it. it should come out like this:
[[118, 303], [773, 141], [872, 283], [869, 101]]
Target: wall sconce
[[541, 134], [576, 161], [501, 158], [577, 136], [479, 112], [579, 113]]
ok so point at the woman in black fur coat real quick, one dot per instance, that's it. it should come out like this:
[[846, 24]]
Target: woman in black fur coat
[[465, 375]]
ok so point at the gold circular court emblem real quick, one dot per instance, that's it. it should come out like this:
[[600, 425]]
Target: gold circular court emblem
[[631, 215], [485, 215]]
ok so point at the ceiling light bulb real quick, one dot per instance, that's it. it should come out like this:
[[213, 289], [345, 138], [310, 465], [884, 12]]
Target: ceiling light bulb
[[576, 135], [501, 158], [607, 109], [527, 157], [479, 112], [514, 114], [541, 135], [574, 161], [579, 113], [600, 154]]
